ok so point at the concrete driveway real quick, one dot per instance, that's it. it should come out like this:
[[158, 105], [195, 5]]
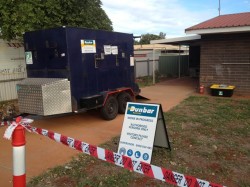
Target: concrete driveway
[[171, 92], [43, 153]]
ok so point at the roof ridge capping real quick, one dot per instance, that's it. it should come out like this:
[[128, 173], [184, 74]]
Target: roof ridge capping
[[238, 22]]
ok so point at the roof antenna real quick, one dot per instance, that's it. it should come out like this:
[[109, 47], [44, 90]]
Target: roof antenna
[[219, 8]]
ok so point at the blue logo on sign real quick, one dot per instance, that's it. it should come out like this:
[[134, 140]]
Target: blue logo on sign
[[137, 154], [145, 156], [88, 42], [129, 152], [142, 110], [122, 151]]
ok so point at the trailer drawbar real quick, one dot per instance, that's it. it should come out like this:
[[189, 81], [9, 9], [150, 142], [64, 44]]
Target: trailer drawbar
[[77, 69]]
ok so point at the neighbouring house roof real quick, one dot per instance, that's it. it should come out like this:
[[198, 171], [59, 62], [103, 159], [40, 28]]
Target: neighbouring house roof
[[223, 24], [184, 40], [156, 46]]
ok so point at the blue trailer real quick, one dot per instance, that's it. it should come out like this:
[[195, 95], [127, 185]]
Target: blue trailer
[[77, 69]]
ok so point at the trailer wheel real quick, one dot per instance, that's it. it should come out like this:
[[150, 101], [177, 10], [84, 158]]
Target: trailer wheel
[[123, 98], [110, 110]]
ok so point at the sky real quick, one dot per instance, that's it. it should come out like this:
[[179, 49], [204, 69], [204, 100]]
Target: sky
[[168, 16]]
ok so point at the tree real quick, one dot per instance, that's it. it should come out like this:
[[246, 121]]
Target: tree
[[17, 17], [162, 35], [145, 38], [136, 42]]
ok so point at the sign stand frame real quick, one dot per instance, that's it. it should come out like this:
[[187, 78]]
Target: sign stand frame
[[161, 130]]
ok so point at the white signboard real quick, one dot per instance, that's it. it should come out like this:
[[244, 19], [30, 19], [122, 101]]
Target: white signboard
[[138, 131], [107, 49], [132, 61], [114, 50], [88, 46]]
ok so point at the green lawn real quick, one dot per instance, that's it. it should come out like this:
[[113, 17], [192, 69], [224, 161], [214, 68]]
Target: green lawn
[[210, 140]]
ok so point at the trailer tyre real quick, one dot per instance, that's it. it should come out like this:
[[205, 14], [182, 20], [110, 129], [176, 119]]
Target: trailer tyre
[[110, 110], [123, 98]]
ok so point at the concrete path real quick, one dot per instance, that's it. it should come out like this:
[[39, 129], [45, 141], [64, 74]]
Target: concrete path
[[42, 153], [171, 92]]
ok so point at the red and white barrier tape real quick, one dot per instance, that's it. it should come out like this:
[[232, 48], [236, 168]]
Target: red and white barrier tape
[[5, 123], [143, 168], [12, 125]]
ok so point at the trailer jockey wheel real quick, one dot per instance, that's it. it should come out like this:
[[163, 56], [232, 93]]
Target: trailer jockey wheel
[[123, 98], [110, 110]]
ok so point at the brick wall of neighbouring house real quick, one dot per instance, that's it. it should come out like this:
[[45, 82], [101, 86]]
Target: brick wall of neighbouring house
[[234, 49]]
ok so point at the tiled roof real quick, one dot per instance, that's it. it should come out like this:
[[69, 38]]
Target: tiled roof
[[224, 21]]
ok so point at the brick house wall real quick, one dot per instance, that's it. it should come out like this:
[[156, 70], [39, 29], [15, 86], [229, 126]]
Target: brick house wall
[[225, 59]]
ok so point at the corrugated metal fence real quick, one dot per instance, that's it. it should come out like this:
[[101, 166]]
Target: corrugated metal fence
[[169, 65], [144, 62], [145, 67], [12, 68]]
